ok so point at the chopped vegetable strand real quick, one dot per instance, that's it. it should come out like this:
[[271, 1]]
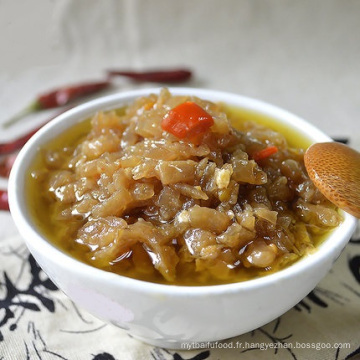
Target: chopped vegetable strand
[[265, 153]]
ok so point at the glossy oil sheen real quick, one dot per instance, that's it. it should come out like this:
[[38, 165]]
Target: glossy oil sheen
[[53, 229]]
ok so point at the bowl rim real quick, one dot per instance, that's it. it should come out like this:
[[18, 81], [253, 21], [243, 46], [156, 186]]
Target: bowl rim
[[330, 247]]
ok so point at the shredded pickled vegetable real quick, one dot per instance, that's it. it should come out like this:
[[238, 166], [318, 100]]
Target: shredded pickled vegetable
[[132, 193]]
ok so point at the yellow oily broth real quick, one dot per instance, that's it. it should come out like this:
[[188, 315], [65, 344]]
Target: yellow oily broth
[[238, 116], [41, 212]]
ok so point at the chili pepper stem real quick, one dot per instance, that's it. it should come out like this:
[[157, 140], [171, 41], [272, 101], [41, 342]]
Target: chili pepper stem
[[33, 107]]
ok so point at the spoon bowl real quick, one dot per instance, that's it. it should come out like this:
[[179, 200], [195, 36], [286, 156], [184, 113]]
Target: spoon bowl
[[335, 170]]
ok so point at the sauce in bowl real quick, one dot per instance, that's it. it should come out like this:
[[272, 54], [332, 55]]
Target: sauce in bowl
[[122, 194]]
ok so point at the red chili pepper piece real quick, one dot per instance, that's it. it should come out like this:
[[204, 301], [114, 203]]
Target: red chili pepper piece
[[187, 120], [6, 164], [59, 97], [63, 96], [160, 76], [4, 200], [14, 145], [11, 146], [265, 153]]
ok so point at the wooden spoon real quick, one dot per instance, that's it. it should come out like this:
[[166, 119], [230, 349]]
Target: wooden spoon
[[335, 170]]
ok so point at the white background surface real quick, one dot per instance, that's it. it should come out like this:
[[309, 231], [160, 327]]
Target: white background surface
[[300, 55]]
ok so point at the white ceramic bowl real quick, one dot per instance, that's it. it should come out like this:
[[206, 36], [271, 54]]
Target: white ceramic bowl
[[164, 315]]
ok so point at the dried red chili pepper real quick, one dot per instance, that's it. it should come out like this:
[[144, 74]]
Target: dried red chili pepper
[[63, 96], [59, 97], [160, 76], [6, 164], [16, 144], [4, 200], [11, 146]]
